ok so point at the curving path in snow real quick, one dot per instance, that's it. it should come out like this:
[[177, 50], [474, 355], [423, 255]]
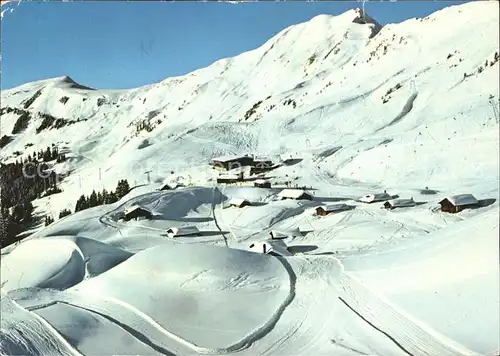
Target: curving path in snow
[[212, 304], [25, 333]]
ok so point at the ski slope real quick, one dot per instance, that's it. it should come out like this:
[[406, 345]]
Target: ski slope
[[364, 109]]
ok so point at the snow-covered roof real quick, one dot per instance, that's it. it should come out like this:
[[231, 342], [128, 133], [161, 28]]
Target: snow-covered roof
[[182, 231], [228, 176], [261, 181], [167, 186], [277, 246], [241, 169], [238, 201], [134, 207], [277, 234], [228, 158], [298, 231], [461, 199], [292, 193], [400, 203], [262, 159], [334, 207], [370, 198]]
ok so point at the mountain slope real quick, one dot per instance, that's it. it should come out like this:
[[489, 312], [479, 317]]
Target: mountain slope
[[362, 108]]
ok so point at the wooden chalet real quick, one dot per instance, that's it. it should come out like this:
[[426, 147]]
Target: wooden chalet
[[239, 202], [399, 203], [295, 194], [262, 183], [136, 212], [332, 208], [456, 203]]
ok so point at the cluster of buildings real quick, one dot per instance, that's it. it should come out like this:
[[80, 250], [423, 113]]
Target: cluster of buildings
[[450, 204], [243, 168], [276, 246]]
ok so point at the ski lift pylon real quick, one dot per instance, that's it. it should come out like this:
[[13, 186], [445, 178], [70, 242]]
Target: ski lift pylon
[[413, 87]]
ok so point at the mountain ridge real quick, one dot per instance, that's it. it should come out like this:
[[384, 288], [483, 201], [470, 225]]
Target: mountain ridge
[[354, 15]]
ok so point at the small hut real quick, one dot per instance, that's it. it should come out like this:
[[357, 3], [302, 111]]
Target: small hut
[[270, 247], [399, 203], [183, 231], [136, 212], [277, 235], [457, 203], [375, 197], [291, 232], [332, 208], [295, 194], [262, 183], [427, 191], [239, 202], [167, 186]]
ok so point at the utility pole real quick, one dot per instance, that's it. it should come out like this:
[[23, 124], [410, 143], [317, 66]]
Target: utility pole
[[494, 107]]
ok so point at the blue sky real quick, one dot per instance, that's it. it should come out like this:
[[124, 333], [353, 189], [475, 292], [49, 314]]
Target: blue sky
[[116, 45]]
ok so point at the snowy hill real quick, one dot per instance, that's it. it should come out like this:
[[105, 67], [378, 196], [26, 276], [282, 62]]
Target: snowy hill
[[363, 109]]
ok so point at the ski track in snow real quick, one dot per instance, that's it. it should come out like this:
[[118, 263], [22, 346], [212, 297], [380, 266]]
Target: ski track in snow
[[416, 338], [32, 332], [146, 329], [410, 335]]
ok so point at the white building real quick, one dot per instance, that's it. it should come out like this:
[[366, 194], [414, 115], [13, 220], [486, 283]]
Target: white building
[[182, 231], [271, 247]]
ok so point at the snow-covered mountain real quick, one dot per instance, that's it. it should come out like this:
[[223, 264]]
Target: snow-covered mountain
[[328, 82], [366, 108]]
